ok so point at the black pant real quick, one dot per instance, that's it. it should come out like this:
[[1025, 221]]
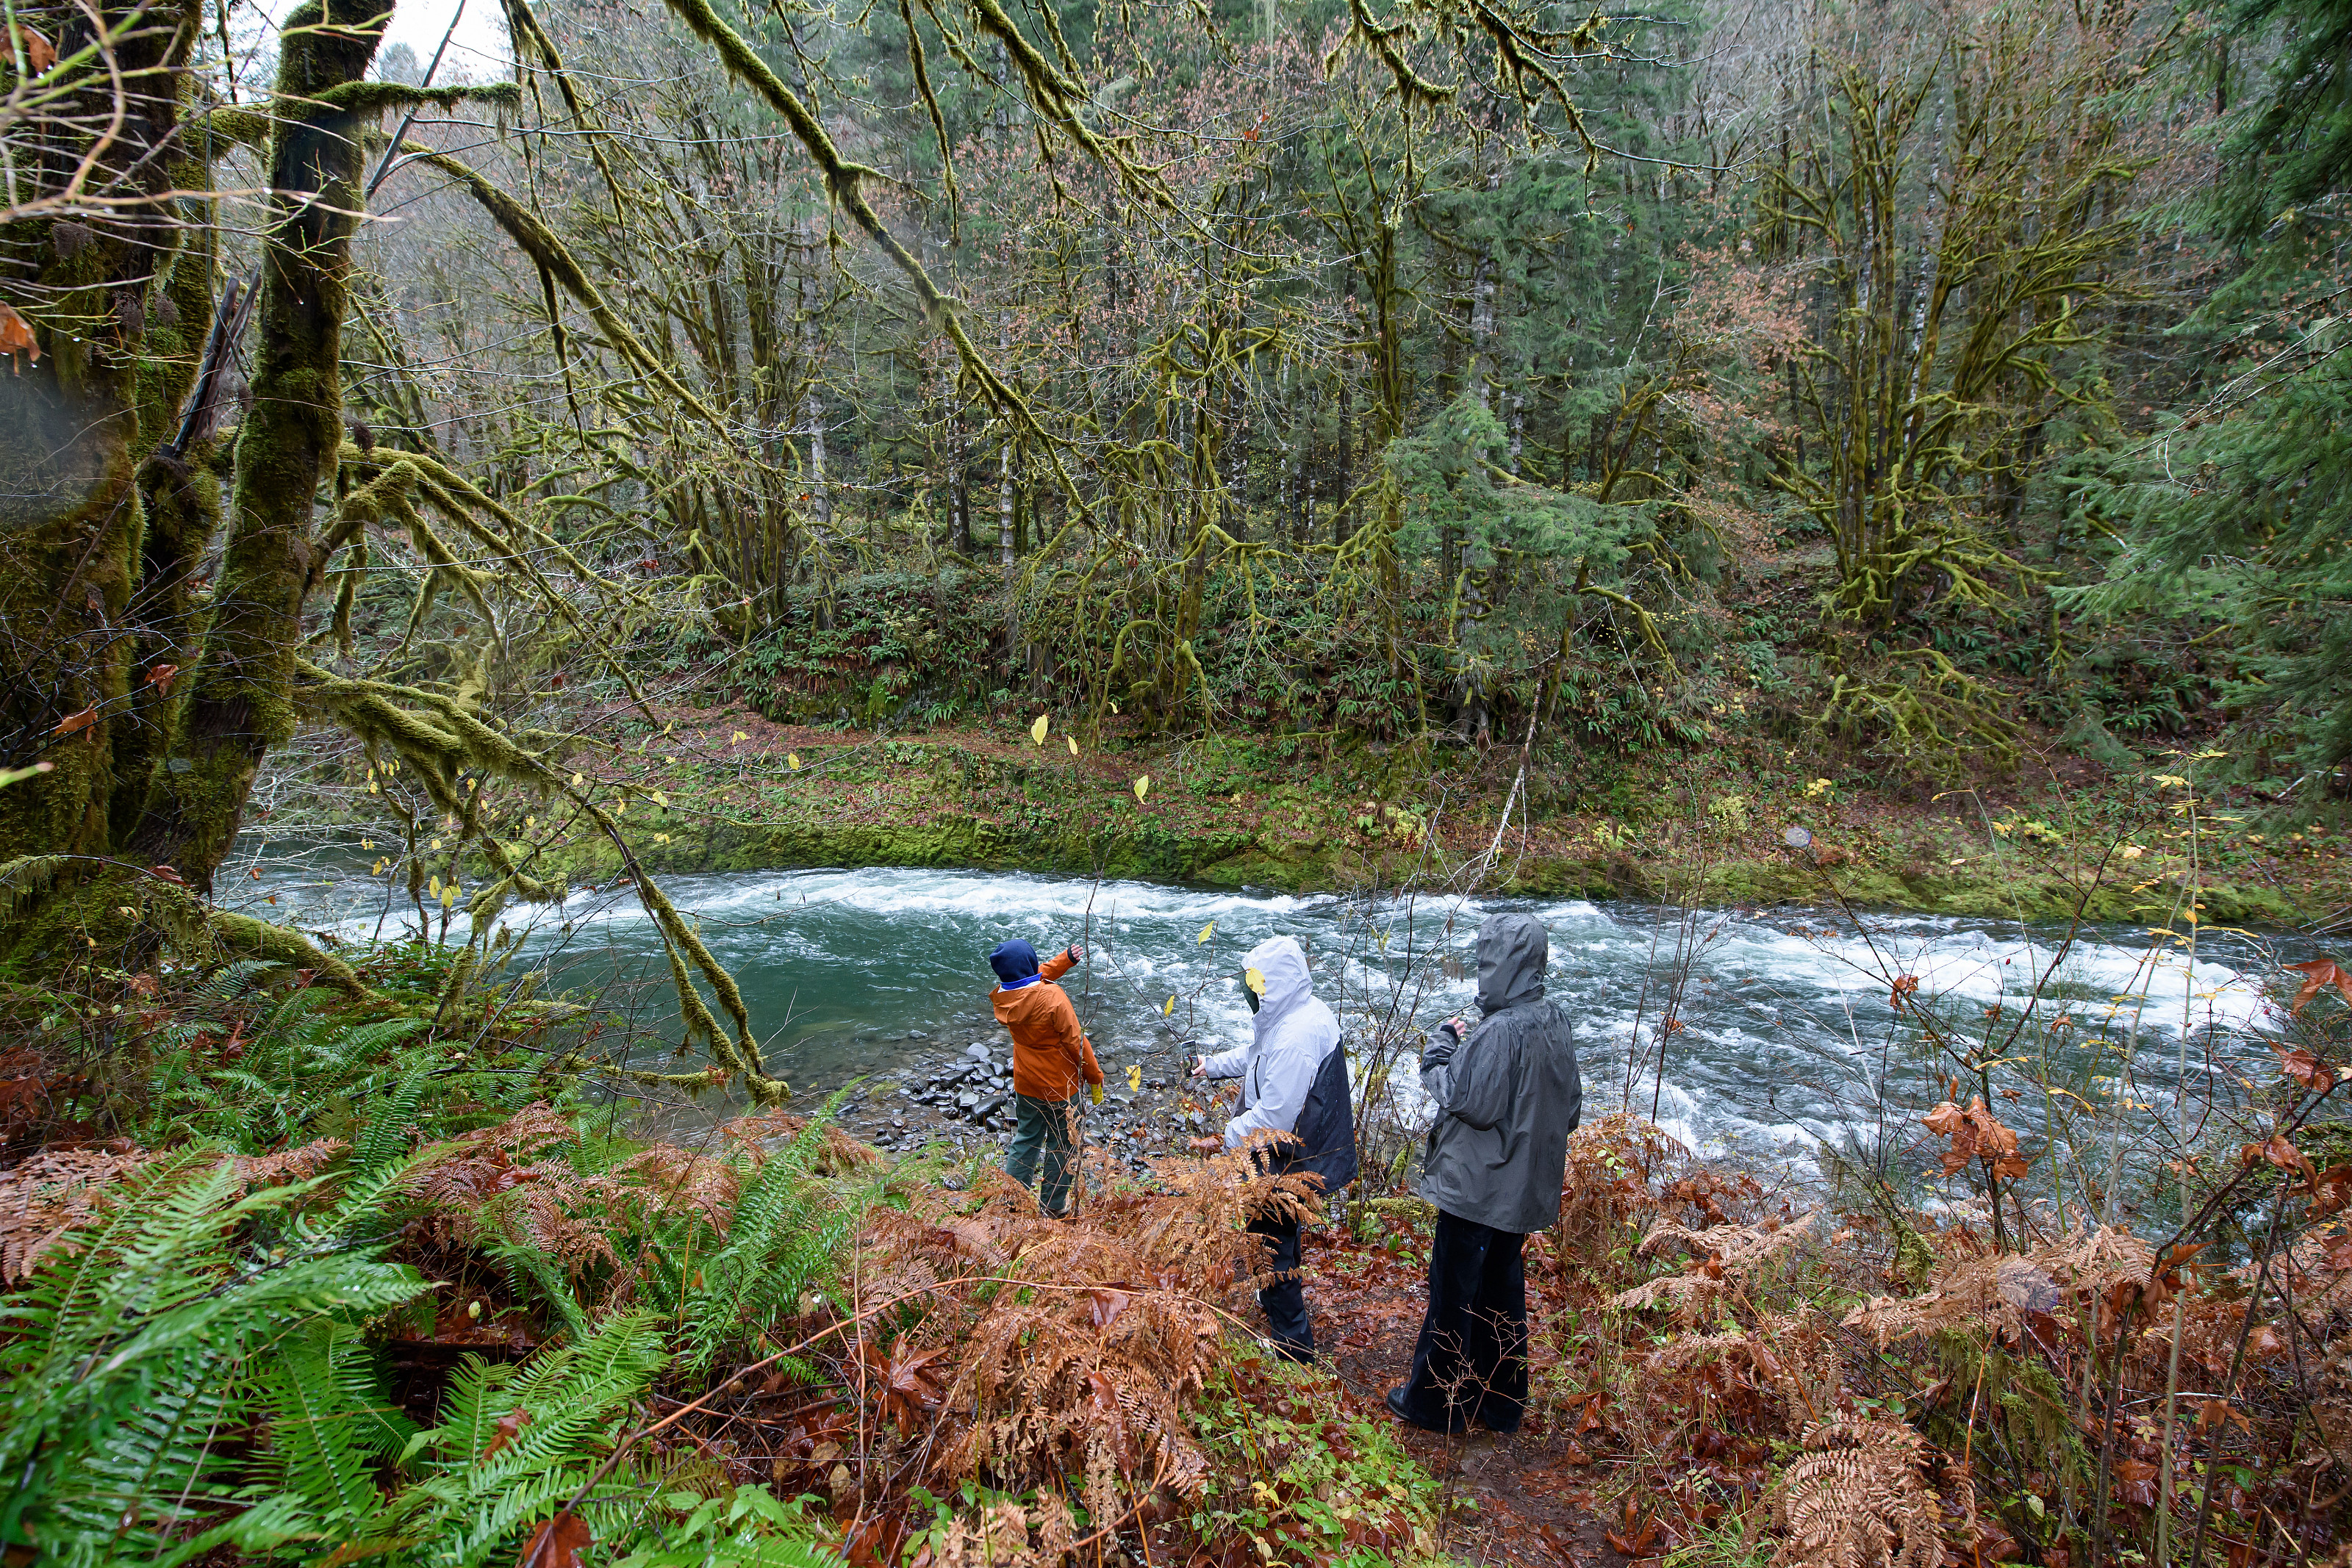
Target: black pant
[[1285, 1301], [1471, 1361]]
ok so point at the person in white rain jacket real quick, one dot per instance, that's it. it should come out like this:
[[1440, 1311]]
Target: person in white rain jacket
[[1294, 1074]]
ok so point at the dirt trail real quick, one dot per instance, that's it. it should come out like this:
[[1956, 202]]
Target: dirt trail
[[1535, 1497]]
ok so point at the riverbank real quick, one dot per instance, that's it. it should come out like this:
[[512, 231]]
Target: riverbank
[[725, 789]]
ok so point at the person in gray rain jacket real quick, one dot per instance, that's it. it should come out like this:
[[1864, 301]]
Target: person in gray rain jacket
[[1507, 1095], [1294, 1074]]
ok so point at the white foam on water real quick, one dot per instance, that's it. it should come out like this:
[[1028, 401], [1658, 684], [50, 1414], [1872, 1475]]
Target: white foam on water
[[1780, 1029]]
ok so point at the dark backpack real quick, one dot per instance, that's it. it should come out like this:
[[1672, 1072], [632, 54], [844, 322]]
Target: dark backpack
[[1326, 1131]]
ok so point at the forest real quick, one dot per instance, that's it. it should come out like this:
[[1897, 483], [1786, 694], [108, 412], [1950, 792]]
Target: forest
[[1866, 476]]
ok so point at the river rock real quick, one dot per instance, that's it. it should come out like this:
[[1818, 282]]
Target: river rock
[[967, 1099], [977, 1052]]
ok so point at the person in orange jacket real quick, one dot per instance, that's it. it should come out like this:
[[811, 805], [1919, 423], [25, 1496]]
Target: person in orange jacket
[[1052, 1060]]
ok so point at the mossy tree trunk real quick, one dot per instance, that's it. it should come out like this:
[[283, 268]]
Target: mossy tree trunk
[[109, 295], [240, 703]]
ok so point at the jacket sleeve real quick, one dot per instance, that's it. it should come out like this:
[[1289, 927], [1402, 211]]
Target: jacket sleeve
[[1075, 1043], [1055, 967], [1284, 1078], [1474, 1086], [1226, 1063]]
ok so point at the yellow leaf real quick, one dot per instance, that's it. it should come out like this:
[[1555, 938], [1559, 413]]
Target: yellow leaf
[[2170, 780], [436, 843], [1135, 1076], [530, 822], [661, 838], [2131, 852], [1114, 707], [739, 735], [1072, 741], [1143, 787], [660, 799], [1205, 930], [379, 866], [367, 843], [575, 781], [2189, 916], [1254, 980], [433, 887], [1169, 1010], [792, 760], [1037, 730], [670, 725], [449, 896]]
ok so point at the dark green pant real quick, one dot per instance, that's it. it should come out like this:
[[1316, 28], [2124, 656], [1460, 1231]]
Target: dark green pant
[[1046, 1128]]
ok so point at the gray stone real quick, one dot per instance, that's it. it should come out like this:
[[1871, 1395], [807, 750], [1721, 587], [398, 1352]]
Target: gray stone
[[977, 1052], [967, 1099]]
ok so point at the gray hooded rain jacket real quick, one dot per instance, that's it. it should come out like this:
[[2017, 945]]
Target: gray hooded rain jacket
[[1508, 1094]]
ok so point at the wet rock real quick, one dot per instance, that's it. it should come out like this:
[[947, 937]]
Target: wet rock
[[976, 1051], [967, 1099]]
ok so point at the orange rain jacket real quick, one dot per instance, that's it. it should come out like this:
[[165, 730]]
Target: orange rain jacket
[[1052, 1058]]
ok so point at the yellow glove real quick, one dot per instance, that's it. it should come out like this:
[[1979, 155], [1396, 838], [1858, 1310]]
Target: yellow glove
[[1093, 1092]]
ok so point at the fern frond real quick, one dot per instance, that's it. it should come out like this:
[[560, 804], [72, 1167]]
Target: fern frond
[[384, 1137], [318, 1429], [549, 1422]]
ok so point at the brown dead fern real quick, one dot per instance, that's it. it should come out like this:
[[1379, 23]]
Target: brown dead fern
[[1861, 1496], [1722, 1259]]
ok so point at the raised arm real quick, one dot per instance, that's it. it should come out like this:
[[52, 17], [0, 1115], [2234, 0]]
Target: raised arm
[[1471, 1079]]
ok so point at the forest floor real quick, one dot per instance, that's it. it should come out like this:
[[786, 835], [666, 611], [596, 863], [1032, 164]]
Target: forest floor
[[725, 788], [1537, 1496]]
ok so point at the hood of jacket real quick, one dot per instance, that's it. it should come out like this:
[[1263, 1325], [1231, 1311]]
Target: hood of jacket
[[1289, 987], [1513, 950]]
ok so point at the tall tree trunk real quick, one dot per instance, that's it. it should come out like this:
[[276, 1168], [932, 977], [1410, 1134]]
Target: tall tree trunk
[[71, 440], [241, 704]]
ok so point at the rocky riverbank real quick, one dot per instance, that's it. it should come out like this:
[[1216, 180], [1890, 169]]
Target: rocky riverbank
[[964, 1099]]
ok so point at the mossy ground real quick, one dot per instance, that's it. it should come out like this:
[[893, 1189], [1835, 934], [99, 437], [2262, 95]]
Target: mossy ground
[[724, 789]]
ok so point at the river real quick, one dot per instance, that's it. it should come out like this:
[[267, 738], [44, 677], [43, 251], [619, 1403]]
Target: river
[[1781, 1027]]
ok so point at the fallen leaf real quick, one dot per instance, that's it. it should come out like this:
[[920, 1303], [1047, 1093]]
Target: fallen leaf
[[557, 1543], [166, 874], [75, 723], [160, 678], [1037, 730], [1072, 741], [17, 338], [510, 1427], [39, 54], [1142, 788]]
